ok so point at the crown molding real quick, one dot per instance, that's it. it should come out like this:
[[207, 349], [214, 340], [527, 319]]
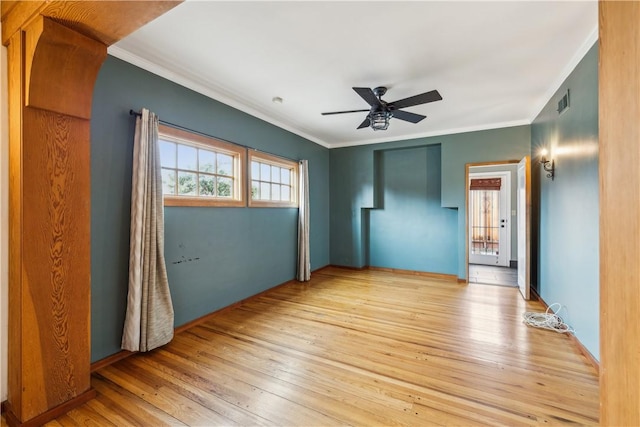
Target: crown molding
[[189, 83], [229, 100], [566, 72], [489, 126]]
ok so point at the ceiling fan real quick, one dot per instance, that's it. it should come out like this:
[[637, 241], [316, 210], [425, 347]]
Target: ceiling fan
[[381, 111]]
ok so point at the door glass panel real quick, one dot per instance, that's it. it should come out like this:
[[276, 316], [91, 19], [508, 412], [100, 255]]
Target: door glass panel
[[485, 222]]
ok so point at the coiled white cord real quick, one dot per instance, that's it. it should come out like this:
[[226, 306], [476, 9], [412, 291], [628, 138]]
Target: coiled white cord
[[547, 320]]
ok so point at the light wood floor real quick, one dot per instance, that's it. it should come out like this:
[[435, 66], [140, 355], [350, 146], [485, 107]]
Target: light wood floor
[[358, 348], [493, 275]]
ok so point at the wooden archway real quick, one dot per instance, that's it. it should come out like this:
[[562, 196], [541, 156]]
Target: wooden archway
[[55, 50]]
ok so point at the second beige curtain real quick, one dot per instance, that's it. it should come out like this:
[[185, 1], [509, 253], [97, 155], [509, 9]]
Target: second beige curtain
[[304, 257]]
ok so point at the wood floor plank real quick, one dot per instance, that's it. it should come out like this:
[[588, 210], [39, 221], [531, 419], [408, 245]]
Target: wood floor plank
[[249, 396], [108, 412], [86, 417], [123, 403], [400, 374], [335, 403], [364, 392], [405, 348], [363, 348], [157, 393]]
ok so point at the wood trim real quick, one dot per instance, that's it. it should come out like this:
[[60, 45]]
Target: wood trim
[[15, 14], [237, 304], [463, 281], [619, 179], [7, 5], [275, 161], [467, 168], [14, 337], [349, 267], [267, 204], [109, 360], [494, 163], [202, 202], [529, 210], [193, 138], [486, 184], [202, 319], [238, 152], [435, 276], [57, 53], [586, 353], [272, 158], [318, 270], [103, 21], [49, 192], [467, 171], [53, 413]]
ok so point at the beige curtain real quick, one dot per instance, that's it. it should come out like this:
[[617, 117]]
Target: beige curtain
[[149, 317], [304, 259]]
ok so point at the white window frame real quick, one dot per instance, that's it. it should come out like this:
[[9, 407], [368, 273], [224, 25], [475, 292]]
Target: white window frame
[[273, 161], [238, 153]]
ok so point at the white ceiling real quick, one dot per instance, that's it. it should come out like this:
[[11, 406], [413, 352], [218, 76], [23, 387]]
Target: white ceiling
[[495, 63]]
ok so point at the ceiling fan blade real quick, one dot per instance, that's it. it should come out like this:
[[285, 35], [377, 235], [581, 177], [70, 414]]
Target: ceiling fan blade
[[407, 116], [365, 124], [368, 95], [343, 112], [423, 98]]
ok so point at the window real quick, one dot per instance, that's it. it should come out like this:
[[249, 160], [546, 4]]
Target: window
[[200, 171], [274, 181]]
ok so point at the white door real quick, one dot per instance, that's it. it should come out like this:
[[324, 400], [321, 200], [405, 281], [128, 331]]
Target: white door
[[524, 226], [489, 219]]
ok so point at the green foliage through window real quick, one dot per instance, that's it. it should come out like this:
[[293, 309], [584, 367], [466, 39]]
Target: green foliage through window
[[195, 171]]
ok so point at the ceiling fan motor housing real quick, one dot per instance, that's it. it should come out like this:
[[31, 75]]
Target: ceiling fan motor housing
[[380, 91]]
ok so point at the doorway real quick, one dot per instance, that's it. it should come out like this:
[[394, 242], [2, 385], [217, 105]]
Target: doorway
[[492, 234], [489, 218]]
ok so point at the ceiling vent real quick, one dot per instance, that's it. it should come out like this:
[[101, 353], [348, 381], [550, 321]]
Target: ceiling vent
[[563, 104]]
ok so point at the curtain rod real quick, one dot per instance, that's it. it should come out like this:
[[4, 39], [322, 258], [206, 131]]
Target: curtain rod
[[137, 113]]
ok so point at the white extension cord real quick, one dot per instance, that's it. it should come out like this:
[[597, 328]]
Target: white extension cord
[[547, 320]]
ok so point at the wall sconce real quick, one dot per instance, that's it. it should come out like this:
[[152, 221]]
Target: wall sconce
[[548, 165]]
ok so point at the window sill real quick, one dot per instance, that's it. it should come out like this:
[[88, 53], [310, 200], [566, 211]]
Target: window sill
[[268, 204], [202, 202]]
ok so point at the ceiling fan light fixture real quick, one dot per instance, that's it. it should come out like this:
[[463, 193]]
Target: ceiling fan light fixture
[[381, 111], [380, 120]]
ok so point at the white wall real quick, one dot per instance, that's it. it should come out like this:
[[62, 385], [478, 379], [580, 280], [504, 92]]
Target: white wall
[[4, 221]]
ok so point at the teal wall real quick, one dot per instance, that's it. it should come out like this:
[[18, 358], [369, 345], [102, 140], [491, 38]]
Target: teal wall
[[566, 210], [230, 253], [355, 188], [409, 222]]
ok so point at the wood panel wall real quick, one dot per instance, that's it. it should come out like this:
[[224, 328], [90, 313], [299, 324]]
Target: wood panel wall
[[49, 217], [619, 116], [55, 50]]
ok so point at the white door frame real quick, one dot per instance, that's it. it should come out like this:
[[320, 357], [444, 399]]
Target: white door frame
[[524, 227], [504, 253]]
